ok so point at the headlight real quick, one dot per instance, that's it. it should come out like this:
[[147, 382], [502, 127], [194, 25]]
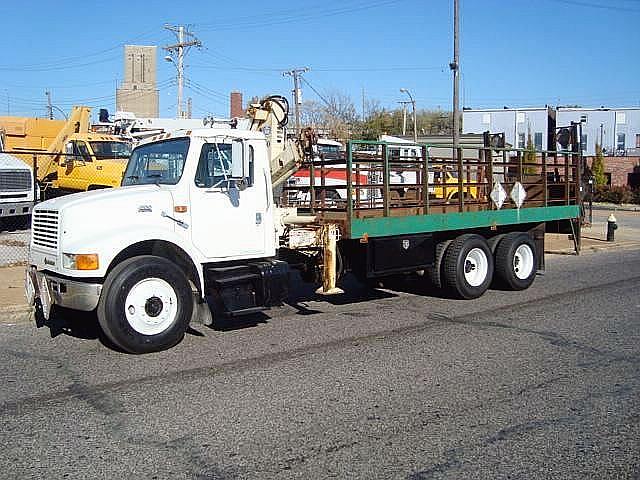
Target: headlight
[[80, 261]]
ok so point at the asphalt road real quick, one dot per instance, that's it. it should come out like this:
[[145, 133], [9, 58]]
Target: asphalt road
[[378, 384]]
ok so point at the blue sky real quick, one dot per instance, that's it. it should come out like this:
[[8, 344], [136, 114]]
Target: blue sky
[[513, 52]]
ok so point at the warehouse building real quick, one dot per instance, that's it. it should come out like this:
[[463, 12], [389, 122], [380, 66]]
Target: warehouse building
[[515, 123], [616, 129]]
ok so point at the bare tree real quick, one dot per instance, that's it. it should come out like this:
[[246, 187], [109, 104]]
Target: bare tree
[[312, 114]]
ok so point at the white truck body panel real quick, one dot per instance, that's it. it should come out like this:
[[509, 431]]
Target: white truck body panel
[[211, 225], [17, 192]]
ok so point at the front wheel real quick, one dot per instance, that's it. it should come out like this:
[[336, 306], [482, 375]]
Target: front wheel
[[146, 305]]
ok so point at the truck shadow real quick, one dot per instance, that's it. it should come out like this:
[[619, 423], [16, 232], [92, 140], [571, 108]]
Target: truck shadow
[[303, 299], [73, 323]]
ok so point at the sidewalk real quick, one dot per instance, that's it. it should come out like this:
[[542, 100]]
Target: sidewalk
[[13, 303], [623, 207], [594, 237]]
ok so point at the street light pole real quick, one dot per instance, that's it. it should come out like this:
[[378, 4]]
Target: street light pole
[[413, 106], [49, 106], [404, 117]]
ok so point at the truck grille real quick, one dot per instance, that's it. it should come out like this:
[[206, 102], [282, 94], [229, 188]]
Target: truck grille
[[15, 180], [45, 229]]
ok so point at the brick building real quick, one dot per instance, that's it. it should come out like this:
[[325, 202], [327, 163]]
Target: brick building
[[621, 171]]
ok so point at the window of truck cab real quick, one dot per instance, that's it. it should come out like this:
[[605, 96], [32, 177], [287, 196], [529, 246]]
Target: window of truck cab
[[157, 163], [77, 150], [215, 165], [104, 150]]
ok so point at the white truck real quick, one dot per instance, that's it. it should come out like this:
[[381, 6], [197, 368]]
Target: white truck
[[194, 224], [18, 190]]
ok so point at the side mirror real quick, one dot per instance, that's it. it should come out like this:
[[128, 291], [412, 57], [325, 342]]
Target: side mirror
[[239, 160]]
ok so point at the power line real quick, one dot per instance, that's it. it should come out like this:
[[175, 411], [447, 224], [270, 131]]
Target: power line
[[597, 5], [317, 93], [284, 18], [176, 53], [207, 90], [62, 62]]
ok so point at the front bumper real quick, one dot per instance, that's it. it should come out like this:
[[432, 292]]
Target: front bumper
[[51, 289], [15, 209]]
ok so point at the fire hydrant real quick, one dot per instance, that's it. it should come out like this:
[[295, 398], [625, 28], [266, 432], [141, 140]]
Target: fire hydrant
[[612, 226]]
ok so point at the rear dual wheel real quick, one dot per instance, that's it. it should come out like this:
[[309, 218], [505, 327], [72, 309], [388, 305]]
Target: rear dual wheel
[[516, 261], [468, 266]]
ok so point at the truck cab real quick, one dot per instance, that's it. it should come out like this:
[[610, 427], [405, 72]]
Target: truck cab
[[17, 190], [92, 161], [195, 208]]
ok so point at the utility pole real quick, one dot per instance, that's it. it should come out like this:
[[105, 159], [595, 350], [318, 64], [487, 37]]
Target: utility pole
[[49, 106], [363, 106], [176, 53], [189, 107], [404, 117], [413, 106], [295, 73], [455, 68]]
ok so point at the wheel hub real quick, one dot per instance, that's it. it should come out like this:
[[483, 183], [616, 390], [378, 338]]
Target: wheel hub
[[151, 306], [476, 267], [469, 266]]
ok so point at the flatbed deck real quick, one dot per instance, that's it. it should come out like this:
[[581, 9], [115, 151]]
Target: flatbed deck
[[400, 189]]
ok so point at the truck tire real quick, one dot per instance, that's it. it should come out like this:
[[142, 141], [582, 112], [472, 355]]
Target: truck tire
[[145, 305], [435, 271], [493, 243], [516, 261], [468, 266]]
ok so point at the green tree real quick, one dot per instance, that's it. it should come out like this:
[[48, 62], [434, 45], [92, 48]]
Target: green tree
[[597, 167]]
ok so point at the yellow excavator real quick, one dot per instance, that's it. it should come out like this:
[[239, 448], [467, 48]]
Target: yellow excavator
[[76, 159]]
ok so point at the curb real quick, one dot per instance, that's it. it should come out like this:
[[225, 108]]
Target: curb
[[623, 207], [595, 248]]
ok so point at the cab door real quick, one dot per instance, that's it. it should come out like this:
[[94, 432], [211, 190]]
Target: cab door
[[228, 218], [78, 168]]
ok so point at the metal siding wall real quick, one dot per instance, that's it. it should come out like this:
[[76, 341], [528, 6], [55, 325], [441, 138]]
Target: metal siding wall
[[595, 118], [537, 121], [472, 122], [504, 121]]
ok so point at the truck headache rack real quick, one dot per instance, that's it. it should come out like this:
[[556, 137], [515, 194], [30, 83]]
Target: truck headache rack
[[383, 188]]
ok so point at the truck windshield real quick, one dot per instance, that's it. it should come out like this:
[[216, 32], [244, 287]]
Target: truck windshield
[[103, 150], [160, 162]]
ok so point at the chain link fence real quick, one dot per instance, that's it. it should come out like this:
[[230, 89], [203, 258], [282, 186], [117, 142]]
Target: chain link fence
[[29, 176]]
